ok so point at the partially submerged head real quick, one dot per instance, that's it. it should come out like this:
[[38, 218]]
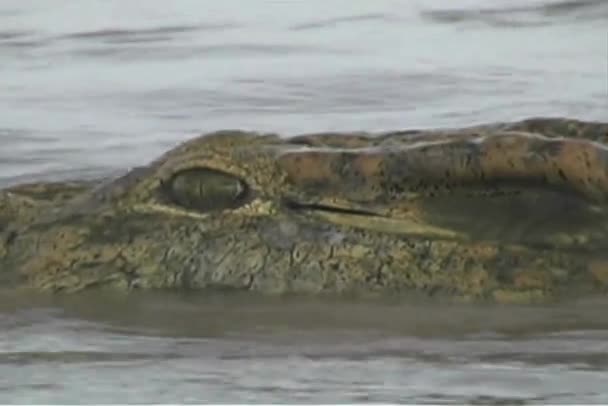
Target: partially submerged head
[[476, 214]]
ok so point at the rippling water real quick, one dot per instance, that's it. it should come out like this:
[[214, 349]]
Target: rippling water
[[89, 88], [245, 348]]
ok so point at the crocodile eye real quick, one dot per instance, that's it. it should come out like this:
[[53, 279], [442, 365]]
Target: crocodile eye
[[206, 190]]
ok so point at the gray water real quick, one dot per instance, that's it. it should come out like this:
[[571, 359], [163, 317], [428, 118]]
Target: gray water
[[90, 88]]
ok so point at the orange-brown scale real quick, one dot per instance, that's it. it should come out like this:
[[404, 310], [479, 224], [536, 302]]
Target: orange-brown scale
[[574, 165]]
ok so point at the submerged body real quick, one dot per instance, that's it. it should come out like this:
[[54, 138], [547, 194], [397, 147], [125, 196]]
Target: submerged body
[[510, 212]]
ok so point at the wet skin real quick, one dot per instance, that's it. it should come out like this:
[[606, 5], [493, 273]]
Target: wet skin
[[507, 212]]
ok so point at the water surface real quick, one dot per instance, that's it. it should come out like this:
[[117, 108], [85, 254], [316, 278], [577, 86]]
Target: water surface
[[90, 88], [153, 347]]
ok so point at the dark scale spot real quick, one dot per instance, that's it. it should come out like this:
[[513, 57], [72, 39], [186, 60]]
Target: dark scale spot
[[562, 175], [467, 160], [187, 275], [587, 161], [10, 237]]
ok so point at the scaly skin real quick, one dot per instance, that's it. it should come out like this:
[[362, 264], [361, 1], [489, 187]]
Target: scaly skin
[[508, 212]]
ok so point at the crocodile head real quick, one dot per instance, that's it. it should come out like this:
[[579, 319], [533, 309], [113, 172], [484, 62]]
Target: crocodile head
[[506, 212]]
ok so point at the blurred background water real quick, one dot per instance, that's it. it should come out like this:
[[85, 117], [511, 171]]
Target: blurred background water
[[89, 88]]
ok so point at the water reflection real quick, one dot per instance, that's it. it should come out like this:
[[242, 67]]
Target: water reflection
[[245, 347]]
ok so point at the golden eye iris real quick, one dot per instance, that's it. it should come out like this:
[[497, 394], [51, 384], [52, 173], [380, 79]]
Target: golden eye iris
[[206, 190]]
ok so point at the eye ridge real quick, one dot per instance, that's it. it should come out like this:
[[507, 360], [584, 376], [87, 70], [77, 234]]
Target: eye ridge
[[205, 190]]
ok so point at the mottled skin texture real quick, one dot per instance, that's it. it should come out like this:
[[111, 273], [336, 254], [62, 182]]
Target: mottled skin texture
[[508, 212]]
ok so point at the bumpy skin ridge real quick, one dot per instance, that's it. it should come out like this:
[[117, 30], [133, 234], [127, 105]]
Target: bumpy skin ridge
[[510, 212]]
